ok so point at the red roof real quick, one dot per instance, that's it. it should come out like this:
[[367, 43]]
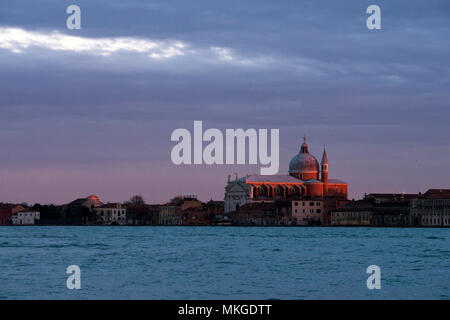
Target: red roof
[[7, 206]]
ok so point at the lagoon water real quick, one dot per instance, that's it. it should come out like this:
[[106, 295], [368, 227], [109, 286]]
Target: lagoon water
[[224, 262]]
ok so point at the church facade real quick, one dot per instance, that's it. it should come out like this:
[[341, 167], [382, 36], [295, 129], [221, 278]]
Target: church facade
[[306, 179]]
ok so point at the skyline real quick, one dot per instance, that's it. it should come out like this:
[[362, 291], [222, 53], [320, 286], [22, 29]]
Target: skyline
[[76, 121]]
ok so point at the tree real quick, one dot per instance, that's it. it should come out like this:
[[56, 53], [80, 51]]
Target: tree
[[137, 200]]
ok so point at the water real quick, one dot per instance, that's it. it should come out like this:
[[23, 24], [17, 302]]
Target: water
[[223, 262]]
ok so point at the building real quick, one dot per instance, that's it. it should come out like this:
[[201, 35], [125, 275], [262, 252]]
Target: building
[[210, 213], [81, 211], [237, 194], [306, 180], [432, 209], [110, 214], [258, 213], [196, 216], [391, 214], [390, 197], [26, 217], [331, 204], [143, 214], [355, 213], [216, 211], [376, 209], [263, 214], [171, 213], [7, 210], [390, 209], [308, 211]]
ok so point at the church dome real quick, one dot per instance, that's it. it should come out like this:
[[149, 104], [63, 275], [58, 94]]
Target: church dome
[[303, 162]]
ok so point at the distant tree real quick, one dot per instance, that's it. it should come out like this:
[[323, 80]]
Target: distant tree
[[47, 211], [136, 200], [85, 212]]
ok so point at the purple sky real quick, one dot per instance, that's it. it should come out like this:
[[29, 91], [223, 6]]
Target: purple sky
[[94, 114]]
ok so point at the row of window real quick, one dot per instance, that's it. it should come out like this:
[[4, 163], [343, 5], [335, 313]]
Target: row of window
[[24, 214], [435, 221], [311, 203], [310, 211], [114, 211]]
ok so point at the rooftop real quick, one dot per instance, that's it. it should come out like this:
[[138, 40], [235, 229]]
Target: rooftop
[[437, 194], [278, 178]]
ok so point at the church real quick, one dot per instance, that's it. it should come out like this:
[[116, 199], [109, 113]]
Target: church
[[306, 180]]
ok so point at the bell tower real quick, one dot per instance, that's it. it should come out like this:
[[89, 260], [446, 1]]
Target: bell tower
[[324, 172]]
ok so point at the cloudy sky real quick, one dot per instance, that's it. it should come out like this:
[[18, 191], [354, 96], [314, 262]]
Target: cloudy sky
[[91, 111]]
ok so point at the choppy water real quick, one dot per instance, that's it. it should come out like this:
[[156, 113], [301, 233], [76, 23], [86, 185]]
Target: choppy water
[[223, 262]]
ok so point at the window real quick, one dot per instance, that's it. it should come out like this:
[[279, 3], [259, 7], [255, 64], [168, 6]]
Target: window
[[296, 204]]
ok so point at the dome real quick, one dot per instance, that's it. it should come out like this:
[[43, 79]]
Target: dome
[[303, 162]]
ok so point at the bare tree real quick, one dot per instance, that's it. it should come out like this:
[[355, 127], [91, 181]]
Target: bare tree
[[137, 200]]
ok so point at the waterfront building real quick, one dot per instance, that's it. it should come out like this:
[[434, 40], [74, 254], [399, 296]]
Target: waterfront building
[[210, 213], [263, 213], [81, 211], [432, 209], [143, 214], [308, 211], [216, 211], [390, 209], [7, 210], [390, 197], [332, 203], [391, 214], [169, 215], [376, 209], [196, 216], [26, 217], [355, 213], [110, 214], [171, 212], [306, 179]]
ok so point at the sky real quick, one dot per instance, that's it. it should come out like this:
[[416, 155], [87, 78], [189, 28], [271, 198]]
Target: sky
[[91, 111]]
